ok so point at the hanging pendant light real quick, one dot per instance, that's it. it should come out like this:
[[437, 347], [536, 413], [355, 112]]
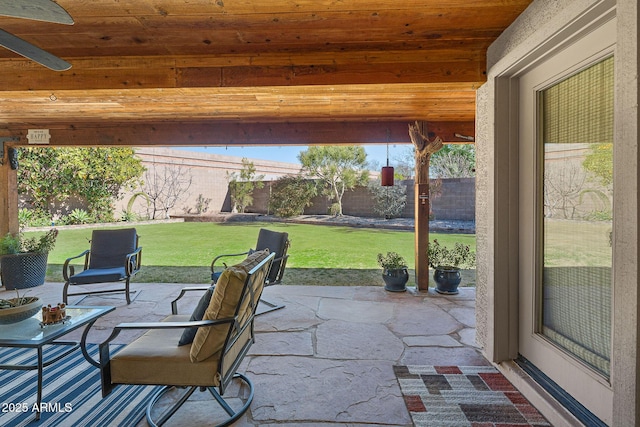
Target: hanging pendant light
[[386, 177]]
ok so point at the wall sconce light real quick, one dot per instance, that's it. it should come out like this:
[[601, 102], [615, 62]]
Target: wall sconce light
[[13, 158]]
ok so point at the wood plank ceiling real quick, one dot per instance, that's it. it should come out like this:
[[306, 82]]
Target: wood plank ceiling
[[222, 72]]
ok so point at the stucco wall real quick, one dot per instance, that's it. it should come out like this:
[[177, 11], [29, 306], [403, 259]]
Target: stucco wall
[[544, 25]]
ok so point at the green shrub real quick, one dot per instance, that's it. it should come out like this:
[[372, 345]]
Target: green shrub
[[10, 244], [128, 216], [13, 244], [290, 195], [388, 202], [202, 204], [78, 216], [391, 261], [33, 218], [460, 256], [242, 184]]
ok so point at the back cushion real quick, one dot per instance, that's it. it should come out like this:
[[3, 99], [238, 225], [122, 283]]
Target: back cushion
[[226, 297], [109, 248], [276, 242], [190, 333]]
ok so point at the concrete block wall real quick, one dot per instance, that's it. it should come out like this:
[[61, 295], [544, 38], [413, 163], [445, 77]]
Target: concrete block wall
[[456, 201], [209, 179]]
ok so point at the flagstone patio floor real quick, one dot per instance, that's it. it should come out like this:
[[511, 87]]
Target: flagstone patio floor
[[327, 358]]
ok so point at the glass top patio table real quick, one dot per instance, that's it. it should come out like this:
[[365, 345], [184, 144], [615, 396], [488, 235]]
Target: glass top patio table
[[30, 334]]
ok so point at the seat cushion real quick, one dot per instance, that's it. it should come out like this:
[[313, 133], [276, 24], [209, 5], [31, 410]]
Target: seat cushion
[[189, 333], [155, 359], [225, 299], [215, 276], [98, 275]]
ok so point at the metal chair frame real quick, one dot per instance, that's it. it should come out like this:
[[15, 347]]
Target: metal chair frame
[[227, 368]]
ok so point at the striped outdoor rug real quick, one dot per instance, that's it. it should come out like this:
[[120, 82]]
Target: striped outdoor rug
[[71, 392], [474, 396]]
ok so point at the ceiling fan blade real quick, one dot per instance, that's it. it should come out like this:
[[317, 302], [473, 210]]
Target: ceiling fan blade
[[26, 49], [38, 10]]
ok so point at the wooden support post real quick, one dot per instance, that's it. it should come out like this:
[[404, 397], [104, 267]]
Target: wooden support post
[[422, 208], [8, 192], [424, 150]]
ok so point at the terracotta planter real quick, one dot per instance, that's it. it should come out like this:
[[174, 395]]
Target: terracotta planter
[[447, 280], [395, 280]]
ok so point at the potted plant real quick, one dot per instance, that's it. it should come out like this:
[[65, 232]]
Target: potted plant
[[394, 271], [16, 309], [447, 263], [23, 262]]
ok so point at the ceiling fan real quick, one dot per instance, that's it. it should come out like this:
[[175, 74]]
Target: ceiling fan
[[37, 10]]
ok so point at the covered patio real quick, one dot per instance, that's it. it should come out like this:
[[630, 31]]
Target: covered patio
[[327, 358], [181, 73]]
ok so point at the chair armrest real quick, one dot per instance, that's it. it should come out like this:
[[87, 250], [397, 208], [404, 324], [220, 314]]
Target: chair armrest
[[183, 291], [174, 325], [133, 261], [225, 256], [69, 270]]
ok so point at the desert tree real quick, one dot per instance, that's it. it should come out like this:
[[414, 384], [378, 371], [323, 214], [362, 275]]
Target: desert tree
[[340, 168], [242, 184], [454, 161], [164, 186]]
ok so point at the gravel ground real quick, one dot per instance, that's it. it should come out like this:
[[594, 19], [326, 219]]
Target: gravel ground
[[443, 226], [395, 223]]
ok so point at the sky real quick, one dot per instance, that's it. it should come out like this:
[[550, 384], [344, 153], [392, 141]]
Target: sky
[[289, 154]]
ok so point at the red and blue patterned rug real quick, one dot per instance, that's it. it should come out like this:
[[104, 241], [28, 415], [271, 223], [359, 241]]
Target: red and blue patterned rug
[[475, 396]]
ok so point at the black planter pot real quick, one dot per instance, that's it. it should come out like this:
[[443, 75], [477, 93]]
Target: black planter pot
[[447, 280], [24, 270], [395, 280]]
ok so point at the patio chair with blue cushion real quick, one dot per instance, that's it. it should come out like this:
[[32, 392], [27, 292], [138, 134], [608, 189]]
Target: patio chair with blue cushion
[[114, 256], [278, 243], [202, 352]]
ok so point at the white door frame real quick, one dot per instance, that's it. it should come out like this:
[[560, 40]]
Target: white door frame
[[506, 261], [590, 389]]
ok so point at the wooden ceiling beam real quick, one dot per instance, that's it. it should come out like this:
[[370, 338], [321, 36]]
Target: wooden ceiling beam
[[315, 70], [146, 72], [432, 102], [243, 134], [170, 8]]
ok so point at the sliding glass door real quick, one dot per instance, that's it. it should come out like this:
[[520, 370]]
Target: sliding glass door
[[566, 144]]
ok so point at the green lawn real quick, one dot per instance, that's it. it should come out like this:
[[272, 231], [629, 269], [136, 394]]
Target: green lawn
[[319, 254]]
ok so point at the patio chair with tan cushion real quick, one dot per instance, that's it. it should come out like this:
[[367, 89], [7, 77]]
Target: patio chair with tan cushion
[[222, 339]]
